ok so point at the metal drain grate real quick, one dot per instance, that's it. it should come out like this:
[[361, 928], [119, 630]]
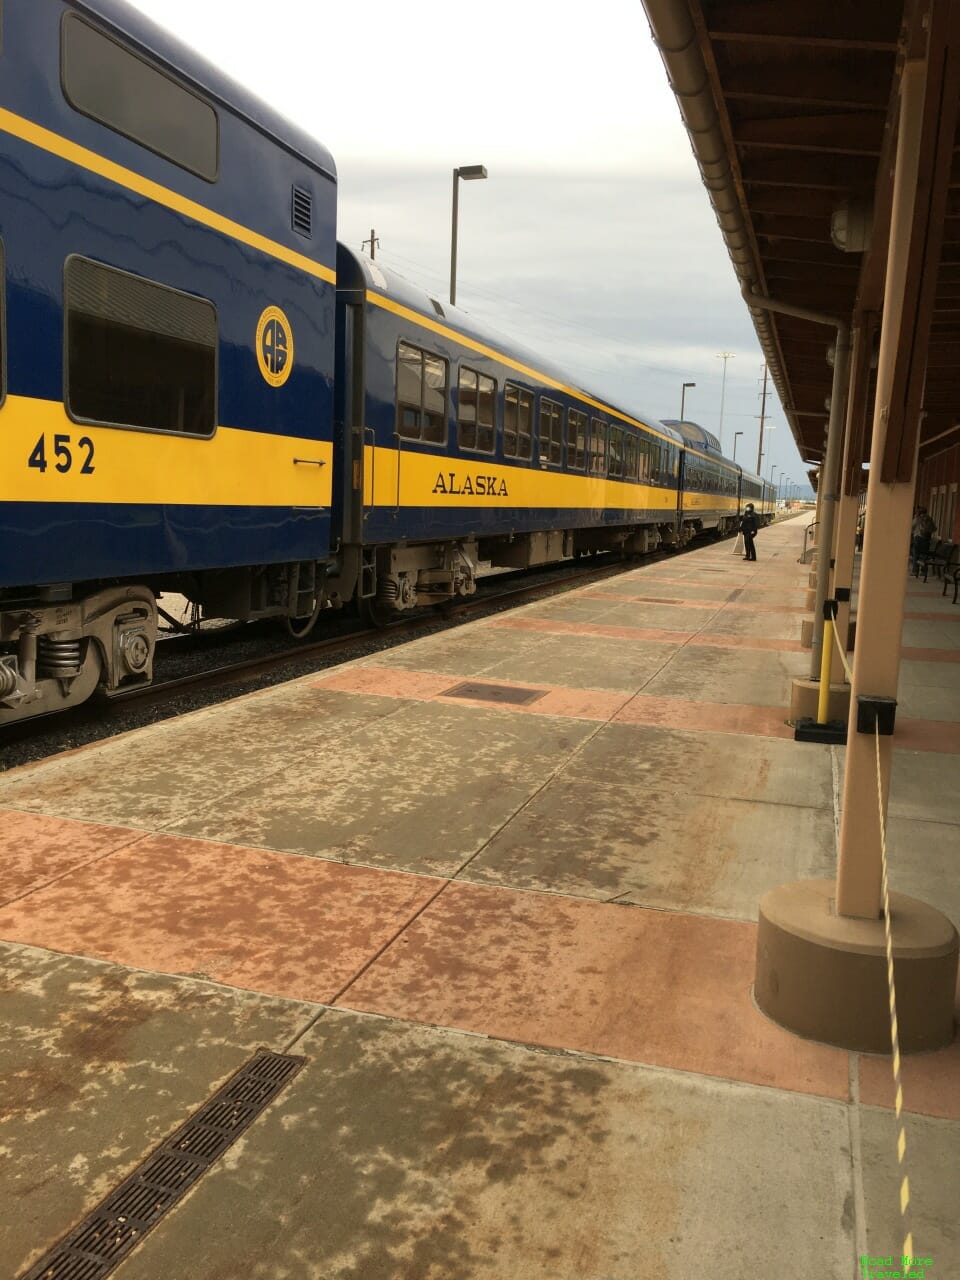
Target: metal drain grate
[[107, 1234], [494, 693]]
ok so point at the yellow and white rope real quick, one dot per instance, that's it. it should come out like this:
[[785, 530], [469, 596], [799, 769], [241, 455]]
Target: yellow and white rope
[[894, 1025]]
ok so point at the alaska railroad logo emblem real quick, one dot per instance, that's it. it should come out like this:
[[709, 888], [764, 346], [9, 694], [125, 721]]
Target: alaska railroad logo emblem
[[275, 346]]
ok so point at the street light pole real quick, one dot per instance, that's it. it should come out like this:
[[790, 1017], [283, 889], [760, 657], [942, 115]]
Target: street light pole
[[468, 173], [724, 356], [683, 397], [735, 435]]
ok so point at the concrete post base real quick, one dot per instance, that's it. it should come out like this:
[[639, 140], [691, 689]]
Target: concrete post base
[[806, 633], [811, 601], [805, 700], [824, 976]]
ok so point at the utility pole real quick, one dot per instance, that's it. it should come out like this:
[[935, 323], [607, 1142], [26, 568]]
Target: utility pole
[[724, 356], [372, 242], [763, 415]]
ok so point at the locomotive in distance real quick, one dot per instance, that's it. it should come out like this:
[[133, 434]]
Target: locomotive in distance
[[204, 393]]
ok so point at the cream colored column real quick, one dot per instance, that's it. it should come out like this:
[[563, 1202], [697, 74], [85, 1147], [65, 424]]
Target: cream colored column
[[883, 573], [845, 534]]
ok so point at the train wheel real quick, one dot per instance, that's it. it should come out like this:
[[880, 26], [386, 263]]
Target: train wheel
[[376, 614], [300, 628]]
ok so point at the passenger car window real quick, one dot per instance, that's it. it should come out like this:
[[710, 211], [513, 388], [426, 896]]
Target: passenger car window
[[598, 447], [475, 411], [111, 84], [551, 432], [421, 395], [576, 440], [517, 422], [138, 354]]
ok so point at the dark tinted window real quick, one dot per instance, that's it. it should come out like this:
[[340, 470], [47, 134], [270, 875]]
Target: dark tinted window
[[106, 81], [421, 395], [517, 422], [598, 447], [616, 452], [551, 432], [576, 440], [138, 354], [475, 412]]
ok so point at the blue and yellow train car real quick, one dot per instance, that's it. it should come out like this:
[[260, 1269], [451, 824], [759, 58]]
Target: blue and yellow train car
[[168, 252], [464, 447]]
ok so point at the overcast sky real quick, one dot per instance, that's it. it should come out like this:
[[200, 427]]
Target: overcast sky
[[592, 240]]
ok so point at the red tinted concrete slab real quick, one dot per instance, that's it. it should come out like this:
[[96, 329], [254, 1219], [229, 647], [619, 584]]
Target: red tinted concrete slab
[[931, 1082], [424, 686], [648, 986], [715, 717], [268, 922], [35, 849], [930, 655], [388, 682], [929, 735]]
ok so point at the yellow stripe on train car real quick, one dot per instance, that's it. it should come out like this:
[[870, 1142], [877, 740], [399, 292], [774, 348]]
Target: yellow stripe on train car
[[50, 458], [92, 162], [437, 481]]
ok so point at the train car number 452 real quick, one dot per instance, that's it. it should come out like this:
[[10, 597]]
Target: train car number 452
[[66, 460]]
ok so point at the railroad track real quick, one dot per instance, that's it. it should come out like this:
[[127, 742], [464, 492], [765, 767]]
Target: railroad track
[[139, 706]]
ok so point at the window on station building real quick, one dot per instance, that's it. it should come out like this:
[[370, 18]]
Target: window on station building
[[111, 84], [476, 422], [139, 354], [576, 440], [598, 447], [551, 432], [421, 395], [517, 422]]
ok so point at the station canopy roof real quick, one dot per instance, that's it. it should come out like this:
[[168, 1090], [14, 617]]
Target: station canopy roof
[[792, 109]]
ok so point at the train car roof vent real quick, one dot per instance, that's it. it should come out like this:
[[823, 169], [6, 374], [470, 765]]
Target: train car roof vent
[[303, 211], [437, 307]]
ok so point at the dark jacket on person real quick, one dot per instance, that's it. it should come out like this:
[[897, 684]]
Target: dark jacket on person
[[749, 522]]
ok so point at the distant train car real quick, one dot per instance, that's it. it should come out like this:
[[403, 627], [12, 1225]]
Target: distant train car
[[204, 394], [461, 446]]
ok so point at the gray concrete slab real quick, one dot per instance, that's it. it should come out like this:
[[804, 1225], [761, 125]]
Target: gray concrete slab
[[585, 662], [923, 784], [925, 634], [934, 1172], [938, 675], [99, 1064], [756, 677], [624, 841], [186, 764], [760, 625], [773, 770], [419, 792], [402, 1153], [927, 702], [662, 617], [925, 858], [463, 653]]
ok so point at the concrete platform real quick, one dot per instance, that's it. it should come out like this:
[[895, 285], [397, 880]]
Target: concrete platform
[[515, 943]]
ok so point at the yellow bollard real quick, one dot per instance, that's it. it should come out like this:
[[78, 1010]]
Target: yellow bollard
[[826, 653]]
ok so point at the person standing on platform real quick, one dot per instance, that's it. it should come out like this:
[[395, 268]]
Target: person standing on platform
[[749, 524]]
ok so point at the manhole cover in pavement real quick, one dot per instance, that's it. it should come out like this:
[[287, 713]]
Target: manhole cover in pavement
[[494, 693]]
